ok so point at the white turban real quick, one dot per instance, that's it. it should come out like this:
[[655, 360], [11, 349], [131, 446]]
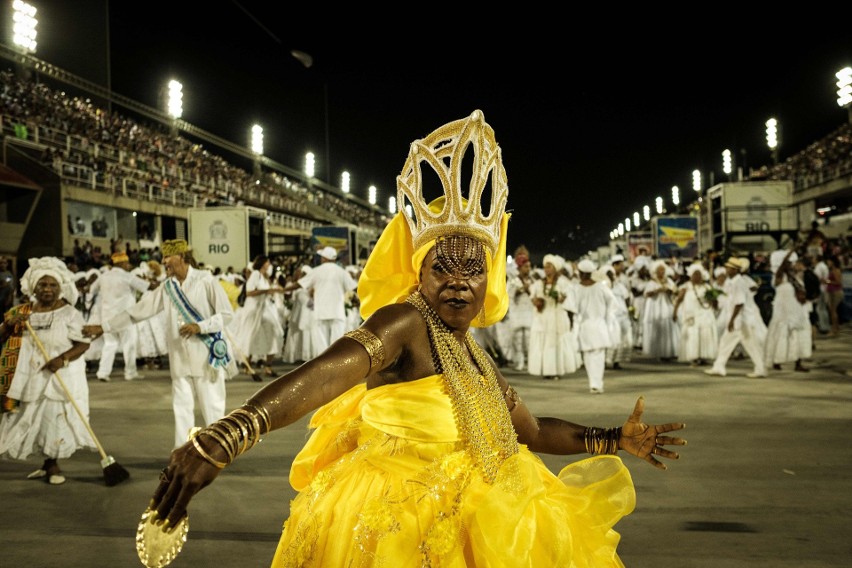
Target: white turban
[[54, 267], [697, 267], [555, 260], [586, 266]]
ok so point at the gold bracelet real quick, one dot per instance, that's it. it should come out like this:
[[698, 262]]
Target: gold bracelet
[[373, 345], [264, 415], [205, 455], [601, 440], [217, 436]]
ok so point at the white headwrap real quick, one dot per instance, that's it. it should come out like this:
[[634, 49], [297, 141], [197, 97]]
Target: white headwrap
[[697, 267], [49, 266], [557, 261]]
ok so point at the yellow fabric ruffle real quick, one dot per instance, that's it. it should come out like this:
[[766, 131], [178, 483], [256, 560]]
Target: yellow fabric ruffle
[[384, 481]]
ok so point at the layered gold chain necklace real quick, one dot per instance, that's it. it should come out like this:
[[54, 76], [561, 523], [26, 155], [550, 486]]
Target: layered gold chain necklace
[[481, 414]]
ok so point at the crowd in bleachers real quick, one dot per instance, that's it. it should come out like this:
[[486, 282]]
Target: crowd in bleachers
[[824, 160], [111, 152]]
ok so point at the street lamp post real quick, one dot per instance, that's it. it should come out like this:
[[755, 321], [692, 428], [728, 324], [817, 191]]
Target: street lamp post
[[307, 60]]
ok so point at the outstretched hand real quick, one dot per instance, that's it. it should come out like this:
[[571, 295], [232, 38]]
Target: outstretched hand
[[644, 440], [187, 474]]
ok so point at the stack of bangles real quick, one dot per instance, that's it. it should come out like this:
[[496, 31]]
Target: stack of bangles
[[237, 432], [602, 440]]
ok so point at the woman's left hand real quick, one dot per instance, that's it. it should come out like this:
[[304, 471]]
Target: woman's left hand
[[54, 364], [644, 440]]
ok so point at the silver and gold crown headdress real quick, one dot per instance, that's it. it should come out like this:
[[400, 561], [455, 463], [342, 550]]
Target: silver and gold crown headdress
[[444, 150]]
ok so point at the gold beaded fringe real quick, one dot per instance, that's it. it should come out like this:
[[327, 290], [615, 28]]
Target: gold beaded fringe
[[481, 414]]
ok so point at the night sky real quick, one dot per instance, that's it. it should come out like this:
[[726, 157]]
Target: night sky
[[594, 121]]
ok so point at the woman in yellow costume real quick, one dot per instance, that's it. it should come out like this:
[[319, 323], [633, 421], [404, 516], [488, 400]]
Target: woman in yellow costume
[[421, 452]]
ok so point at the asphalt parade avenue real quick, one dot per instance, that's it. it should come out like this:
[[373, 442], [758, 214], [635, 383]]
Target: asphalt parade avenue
[[766, 479]]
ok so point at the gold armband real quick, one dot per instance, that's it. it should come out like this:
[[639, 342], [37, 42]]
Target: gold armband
[[513, 397], [371, 343]]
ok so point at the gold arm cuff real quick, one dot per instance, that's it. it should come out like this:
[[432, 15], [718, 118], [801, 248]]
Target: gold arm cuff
[[373, 345], [513, 397]]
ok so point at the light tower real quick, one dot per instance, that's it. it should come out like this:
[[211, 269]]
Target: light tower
[[772, 138], [844, 89]]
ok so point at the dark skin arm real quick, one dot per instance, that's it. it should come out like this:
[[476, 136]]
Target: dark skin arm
[[681, 293], [57, 363], [290, 397], [549, 435]]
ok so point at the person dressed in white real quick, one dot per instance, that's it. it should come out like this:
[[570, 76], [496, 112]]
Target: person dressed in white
[[622, 322], [200, 357], [660, 336], [595, 305], [328, 284], [521, 309], [152, 331], [91, 310], [693, 310], [299, 346], [552, 353], [46, 422], [639, 276], [744, 322], [258, 334], [788, 338], [118, 290]]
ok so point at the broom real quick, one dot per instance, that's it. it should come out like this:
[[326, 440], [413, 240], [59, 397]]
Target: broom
[[113, 472]]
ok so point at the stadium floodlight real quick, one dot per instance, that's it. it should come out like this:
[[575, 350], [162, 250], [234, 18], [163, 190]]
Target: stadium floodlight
[[174, 104], [24, 24], [772, 138], [727, 163], [696, 181], [392, 204], [646, 213], [344, 182], [659, 203], [257, 139], [371, 194], [310, 164], [844, 89], [675, 195], [636, 219]]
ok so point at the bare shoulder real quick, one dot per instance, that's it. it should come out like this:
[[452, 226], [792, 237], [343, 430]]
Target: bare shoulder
[[394, 320]]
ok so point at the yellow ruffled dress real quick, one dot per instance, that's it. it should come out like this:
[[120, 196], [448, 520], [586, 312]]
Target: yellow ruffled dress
[[385, 481]]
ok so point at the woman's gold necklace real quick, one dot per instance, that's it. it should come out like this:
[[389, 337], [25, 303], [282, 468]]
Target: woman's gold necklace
[[481, 414]]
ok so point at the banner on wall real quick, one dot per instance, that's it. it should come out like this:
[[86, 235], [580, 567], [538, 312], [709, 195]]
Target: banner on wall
[[337, 237], [676, 236], [219, 236], [637, 240]]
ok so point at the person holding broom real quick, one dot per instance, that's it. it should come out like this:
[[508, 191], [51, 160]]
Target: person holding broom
[[43, 420]]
